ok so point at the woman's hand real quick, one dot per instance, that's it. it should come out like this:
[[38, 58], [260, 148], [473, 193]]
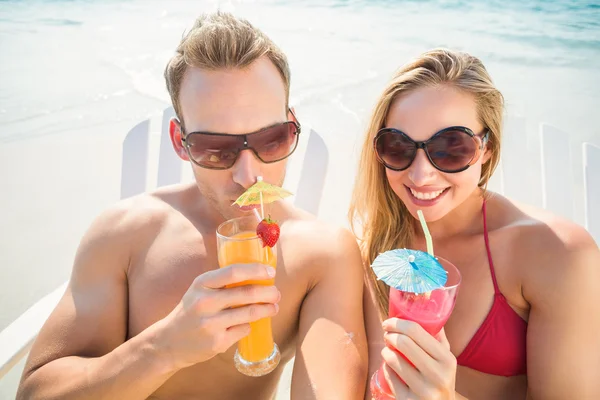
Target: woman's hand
[[434, 372]]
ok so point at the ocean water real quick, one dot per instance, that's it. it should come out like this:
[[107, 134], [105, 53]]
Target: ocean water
[[88, 67], [70, 65]]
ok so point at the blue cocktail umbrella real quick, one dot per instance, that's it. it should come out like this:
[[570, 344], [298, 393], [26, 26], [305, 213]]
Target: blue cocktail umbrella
[[411, 271]]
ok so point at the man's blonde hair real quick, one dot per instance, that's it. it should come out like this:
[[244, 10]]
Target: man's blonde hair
[[221, 41], [385, 220]]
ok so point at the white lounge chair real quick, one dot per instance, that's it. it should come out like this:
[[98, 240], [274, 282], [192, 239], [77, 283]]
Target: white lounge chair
[[546, 184]]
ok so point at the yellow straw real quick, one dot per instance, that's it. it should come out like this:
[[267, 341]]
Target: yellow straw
[[426, 232]]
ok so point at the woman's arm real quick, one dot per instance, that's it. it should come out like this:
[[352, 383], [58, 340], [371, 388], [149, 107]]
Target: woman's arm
[[562, 284]]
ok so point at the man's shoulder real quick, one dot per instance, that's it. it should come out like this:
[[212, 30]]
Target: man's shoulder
[[135, 215], [318, 242], [327, 256], [311, 230]]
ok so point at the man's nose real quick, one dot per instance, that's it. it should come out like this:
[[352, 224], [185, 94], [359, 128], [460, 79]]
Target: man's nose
[[246, 169]]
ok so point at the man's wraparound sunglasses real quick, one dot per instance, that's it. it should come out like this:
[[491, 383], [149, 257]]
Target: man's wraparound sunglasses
[[221, 150], [450, 150]]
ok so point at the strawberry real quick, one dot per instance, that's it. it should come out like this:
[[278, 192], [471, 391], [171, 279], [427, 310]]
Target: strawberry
[[268, 231]]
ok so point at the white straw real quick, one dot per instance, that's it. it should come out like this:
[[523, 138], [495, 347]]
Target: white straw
[[262, 207], [258, 179], [256, 214]]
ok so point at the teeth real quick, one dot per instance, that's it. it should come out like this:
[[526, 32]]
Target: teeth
[[426, 196]]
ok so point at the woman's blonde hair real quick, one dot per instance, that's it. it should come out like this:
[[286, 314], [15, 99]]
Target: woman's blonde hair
[[385, 222]]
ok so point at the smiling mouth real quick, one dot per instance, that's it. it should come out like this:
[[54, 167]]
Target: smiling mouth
[[427, 195], [426, 198]]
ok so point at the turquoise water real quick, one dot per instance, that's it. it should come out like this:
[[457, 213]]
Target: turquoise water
[[68, 65]]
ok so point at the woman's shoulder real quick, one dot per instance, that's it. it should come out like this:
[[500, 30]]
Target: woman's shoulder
[[546, 243], [535, 226]]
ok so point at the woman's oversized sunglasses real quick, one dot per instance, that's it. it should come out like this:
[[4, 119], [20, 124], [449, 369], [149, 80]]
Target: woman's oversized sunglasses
[[450, 150]]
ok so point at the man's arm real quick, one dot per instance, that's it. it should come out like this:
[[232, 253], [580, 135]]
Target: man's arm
[[374, 331], [81, 349], [331, 356]]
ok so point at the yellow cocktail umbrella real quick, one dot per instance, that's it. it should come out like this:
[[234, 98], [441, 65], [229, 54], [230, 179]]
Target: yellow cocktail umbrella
[[261, 193]]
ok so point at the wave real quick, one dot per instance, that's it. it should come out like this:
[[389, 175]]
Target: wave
[[59, 22]]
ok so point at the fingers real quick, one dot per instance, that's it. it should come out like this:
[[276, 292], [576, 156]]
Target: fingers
[[208, 301], [419, 335], [228, 337], [426, 365], [441, 337], [235, 333], [244, 315], [225, 288], [407, 372], [236, 273], [225, 328], [423, 363], [399, 388], [247, 294]]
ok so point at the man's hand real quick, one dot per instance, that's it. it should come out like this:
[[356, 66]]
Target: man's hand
[[212, 315]]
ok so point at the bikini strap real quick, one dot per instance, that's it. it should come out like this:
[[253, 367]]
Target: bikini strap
[[489, 252]]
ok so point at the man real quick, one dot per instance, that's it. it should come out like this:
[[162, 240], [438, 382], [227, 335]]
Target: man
[[147, 314]]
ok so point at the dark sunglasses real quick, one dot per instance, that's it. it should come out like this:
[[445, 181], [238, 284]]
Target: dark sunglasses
[[450, 150], [221, 150]]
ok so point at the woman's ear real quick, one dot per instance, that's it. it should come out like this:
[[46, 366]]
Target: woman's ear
[[487, 152], [175, 133]]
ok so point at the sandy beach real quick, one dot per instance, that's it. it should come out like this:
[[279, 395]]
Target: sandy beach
[[76, 82]]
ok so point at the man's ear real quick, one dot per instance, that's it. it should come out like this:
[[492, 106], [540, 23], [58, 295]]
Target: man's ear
[[176, 139]]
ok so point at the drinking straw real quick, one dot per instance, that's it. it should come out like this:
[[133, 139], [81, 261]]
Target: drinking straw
[[256, 214], [426, 232], [262, 207]]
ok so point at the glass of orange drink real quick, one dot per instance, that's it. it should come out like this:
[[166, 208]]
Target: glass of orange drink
[[237, 243]]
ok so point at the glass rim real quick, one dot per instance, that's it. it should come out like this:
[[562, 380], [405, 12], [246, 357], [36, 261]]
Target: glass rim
[[457, 284], [229, 221]]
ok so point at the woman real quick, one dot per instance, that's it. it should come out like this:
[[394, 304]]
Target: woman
[[527, 318]]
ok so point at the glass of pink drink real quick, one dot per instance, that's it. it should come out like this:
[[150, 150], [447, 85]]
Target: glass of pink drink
[[430, 310]]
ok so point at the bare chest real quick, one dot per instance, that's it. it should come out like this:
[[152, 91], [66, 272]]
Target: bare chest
[[158, 280]]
